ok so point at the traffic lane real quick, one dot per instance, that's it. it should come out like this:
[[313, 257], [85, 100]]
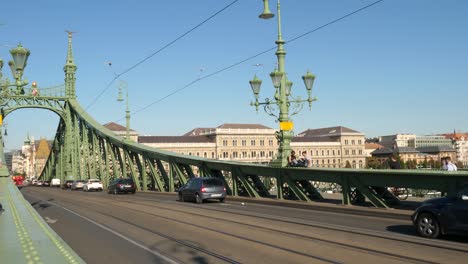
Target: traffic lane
[[377, 223], [333, 219], [91, 242], [325, 242], [242, 242], [199, 239]]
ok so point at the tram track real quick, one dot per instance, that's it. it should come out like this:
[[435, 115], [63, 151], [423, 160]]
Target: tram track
[[131, 200]]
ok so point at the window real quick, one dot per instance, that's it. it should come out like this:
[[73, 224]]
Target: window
[[244, 154], [333, 152], [224, 142], [359, 142], [338, 152], [234, 142], [360, 164], [353, 152], [328, 152], [352, 142], [198, 154], [270, 142], [212, 155], [190, 153], [270, 154], [346, 142], [252, 142], [234, 154], [254, 154], [323, 153], [360, 152], [316, 152], [346, 152], [262, 142], [205, 155], [262, 154], [328, 161], [225, 155], [244, 142]]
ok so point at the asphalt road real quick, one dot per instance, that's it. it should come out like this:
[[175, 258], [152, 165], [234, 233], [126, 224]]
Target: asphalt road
[[155, 228]]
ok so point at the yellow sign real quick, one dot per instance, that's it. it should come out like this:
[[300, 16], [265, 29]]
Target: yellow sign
[[1, 120], [286, 126]]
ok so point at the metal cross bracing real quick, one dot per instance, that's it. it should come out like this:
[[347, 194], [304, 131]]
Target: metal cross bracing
[[83, 149]]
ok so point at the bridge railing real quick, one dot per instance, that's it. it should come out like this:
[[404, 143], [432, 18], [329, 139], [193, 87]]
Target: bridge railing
[[100, 153], [54, 91]]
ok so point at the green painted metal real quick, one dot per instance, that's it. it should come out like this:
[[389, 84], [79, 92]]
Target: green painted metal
[[282, 98], [155, 176]]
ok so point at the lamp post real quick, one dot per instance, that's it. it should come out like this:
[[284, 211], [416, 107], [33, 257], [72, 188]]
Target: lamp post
[[20, 58], [283, 98], [124, 85]]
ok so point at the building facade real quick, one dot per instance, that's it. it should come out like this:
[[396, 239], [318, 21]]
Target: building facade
[[254, 143]]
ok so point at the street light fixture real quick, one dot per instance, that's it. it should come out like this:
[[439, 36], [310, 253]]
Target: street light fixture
[[283, 98], [124, 85], [20, 58]]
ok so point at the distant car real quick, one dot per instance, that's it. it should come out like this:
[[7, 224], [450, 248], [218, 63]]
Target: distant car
[[92, 184], [39, 183], [77, 184], [55, 183], [121, 186], [34, 182], [201, 189], [443, 215], [46, 184], [67, 184]]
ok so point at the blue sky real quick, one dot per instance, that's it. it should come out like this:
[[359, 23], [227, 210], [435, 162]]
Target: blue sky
[[399, 66]]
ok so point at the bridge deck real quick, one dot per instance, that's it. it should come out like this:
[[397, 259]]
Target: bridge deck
[[24, 236]]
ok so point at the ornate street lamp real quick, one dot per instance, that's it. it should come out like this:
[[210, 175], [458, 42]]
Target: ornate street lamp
[[124, 85], [20, 58], [283, 99]]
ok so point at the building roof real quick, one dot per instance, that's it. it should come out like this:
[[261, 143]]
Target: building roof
[[116, 127], [328, 131], [373, 146], [174, 139], [196, 131], [383, 151], [243, 126], [436, 149], [43, 149], [313, 139], [406, 150]]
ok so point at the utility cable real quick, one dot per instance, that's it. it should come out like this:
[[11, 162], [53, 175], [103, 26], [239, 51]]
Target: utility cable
[[252, 57], [158, 51]]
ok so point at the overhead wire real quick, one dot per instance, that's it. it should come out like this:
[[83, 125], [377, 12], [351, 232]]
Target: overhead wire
[[116, 76], [253, 56]]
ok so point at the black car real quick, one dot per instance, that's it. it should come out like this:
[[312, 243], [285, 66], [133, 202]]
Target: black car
[[121, 186], [444, 215], [200, 189], [67, 184]]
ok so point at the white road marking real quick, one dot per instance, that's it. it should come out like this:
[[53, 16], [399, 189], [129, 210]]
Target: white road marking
[[154, 252], [50, 220]]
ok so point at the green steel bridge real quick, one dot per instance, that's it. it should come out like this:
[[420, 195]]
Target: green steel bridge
[[83, 149]]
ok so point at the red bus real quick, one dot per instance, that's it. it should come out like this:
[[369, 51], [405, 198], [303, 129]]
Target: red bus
[[18, 179]]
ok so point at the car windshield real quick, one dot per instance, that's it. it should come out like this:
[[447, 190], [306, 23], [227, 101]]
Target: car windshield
[[212, 183], [126, 181]]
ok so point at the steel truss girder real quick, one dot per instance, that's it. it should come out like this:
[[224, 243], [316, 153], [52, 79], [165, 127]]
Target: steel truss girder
[[120, 156]]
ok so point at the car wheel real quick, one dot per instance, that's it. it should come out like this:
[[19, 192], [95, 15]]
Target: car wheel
[[222, 200], [198, 199], [428, 226], [116, 191], [181, 197]]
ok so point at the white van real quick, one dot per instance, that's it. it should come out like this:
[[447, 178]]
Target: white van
[[55, 183]]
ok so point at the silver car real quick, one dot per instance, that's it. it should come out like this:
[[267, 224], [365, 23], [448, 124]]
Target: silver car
[[201, 189], [78, 184]]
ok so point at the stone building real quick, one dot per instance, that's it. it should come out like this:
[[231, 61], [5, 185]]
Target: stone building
[[122, 131], [255, 143]]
